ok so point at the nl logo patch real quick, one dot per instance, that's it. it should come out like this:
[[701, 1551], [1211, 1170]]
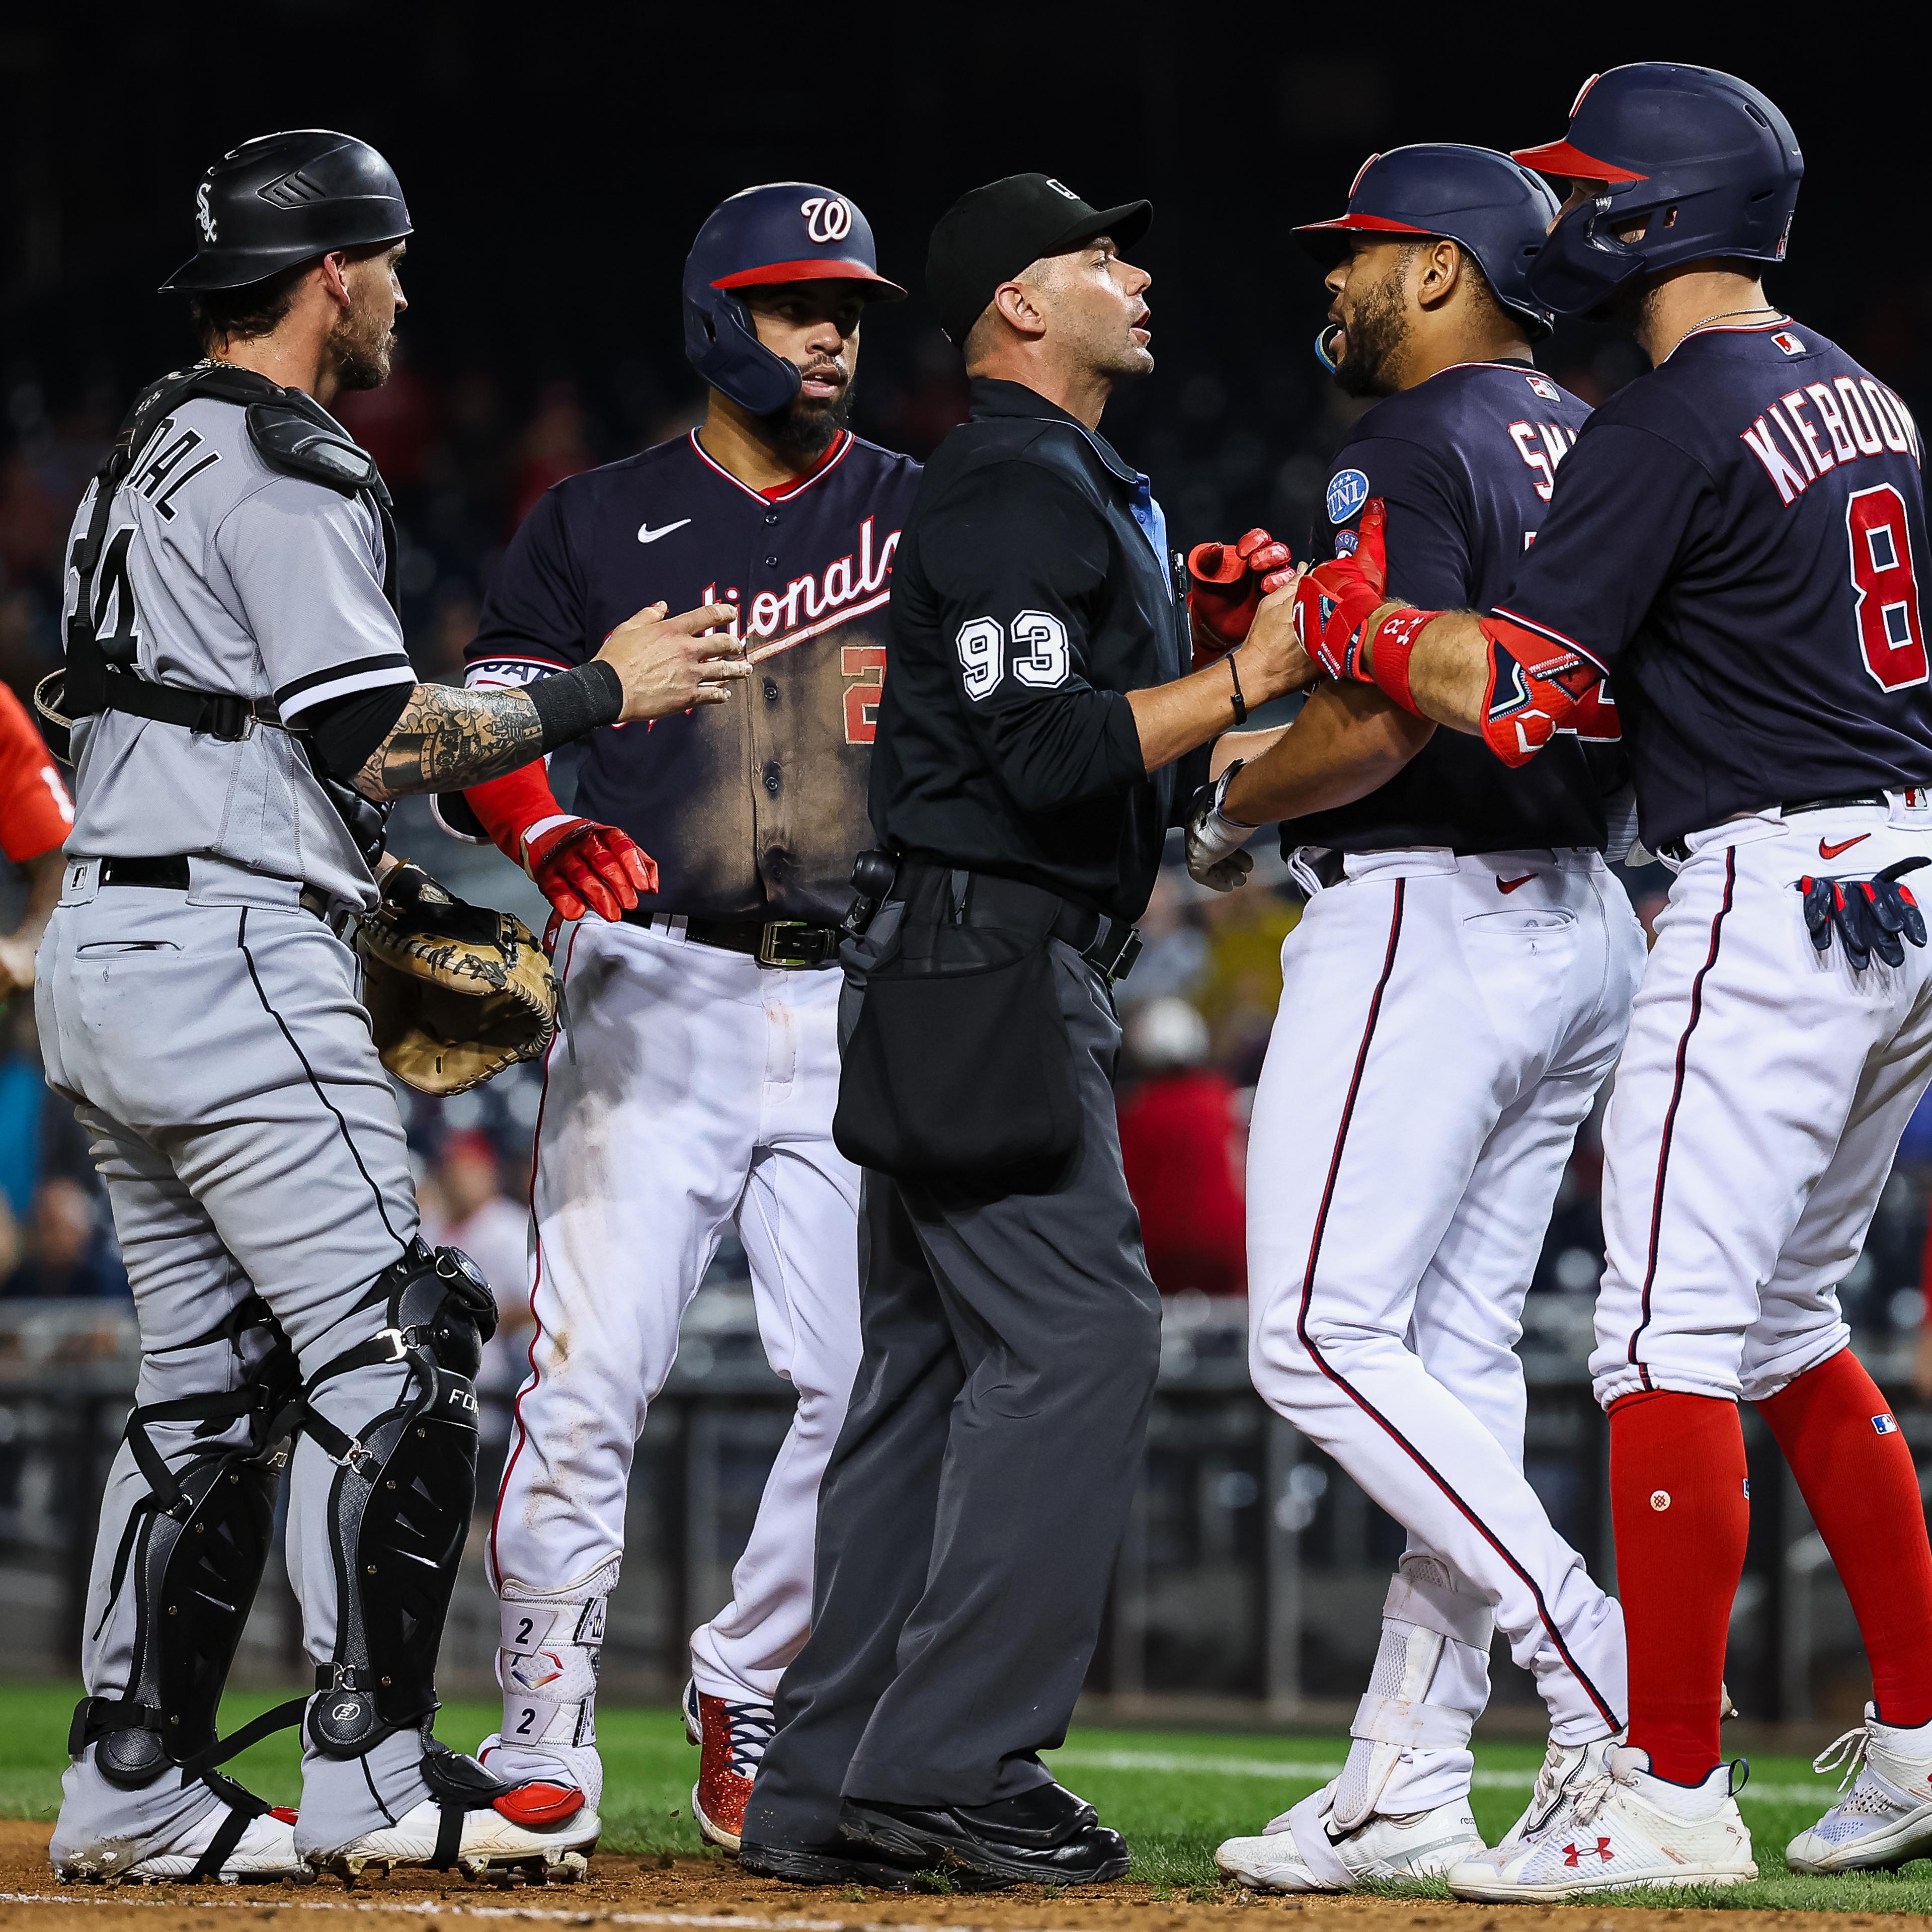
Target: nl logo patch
[[1347, 491], [1884, 1425]]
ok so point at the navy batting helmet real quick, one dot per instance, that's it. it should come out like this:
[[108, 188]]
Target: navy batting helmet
[[784, 232], [284, 199], [1701, 162], [1475, 197]]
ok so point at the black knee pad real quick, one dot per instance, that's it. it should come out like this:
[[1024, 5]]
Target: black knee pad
[[400, 1505], [195, 1549]]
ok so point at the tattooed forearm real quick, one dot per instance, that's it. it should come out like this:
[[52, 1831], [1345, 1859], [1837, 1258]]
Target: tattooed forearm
[[447, 739]]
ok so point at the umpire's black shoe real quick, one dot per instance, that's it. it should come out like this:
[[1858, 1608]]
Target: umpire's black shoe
[[1046, 1835], [841, 1862]]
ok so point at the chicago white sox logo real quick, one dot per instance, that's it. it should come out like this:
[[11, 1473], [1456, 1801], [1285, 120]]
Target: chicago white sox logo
[[201, 212], [827, 218]]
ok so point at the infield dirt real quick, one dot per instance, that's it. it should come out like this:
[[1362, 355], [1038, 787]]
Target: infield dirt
[[623, 1889]]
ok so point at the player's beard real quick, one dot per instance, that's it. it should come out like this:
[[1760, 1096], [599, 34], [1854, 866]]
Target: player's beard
[[361, 344], [807, 426], [1372, 339]]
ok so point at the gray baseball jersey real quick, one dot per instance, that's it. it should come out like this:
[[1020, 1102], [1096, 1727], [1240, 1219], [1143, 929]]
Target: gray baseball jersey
[[235, 577]]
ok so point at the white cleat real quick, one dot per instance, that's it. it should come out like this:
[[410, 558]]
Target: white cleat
[[550, 1783], [1617, 1828], [264, 1854], [1563, 1766], [1424, 1844], [1885, 1817], [491, 1847]]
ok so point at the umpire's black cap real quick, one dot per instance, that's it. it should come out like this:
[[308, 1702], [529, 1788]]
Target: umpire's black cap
[[990, 234]]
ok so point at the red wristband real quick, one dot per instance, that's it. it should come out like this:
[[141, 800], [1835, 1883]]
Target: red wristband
[[1394, 644]]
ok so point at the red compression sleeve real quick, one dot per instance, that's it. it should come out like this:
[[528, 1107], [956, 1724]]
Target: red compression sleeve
[[1856, 1474], [1682, 1516], [507, 807], [1395, 639]]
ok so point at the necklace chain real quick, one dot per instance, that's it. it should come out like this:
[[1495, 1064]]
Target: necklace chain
[[1726, 314]]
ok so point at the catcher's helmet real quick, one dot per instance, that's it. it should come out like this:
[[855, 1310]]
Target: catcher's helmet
[[1499, 211], [1702, 161], [285, 199], [783, 232]]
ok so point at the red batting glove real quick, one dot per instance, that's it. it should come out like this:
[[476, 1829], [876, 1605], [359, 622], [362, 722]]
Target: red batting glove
[[580, 866], [1224, 583], [1334, 601]]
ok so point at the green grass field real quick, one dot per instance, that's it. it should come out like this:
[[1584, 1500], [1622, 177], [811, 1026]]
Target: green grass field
[[1174, 1794]]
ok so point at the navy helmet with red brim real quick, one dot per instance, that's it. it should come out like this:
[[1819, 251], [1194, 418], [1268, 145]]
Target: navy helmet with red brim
[[1496, 210], [1690, 165]]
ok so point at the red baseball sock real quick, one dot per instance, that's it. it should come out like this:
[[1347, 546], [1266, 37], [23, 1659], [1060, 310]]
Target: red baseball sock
[[1852, 1464], [1682, 1516]]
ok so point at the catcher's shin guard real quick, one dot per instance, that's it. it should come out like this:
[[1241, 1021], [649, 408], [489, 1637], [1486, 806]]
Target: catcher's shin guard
[[1421, 1617], [194, 1548], [401, 1501]]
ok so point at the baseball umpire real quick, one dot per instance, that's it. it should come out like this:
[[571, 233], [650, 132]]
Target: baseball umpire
[[1034, 745], [699, 881], [1732, 542], [241, 708]]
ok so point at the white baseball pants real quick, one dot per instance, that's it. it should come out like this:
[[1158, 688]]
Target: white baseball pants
[[693, 1088], [1444, 1024], [1758, 1108]]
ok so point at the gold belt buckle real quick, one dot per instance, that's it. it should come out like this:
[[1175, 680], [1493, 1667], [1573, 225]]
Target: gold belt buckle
[[768, 942]]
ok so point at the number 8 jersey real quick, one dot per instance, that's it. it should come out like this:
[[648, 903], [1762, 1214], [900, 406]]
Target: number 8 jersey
[[1735, 539]]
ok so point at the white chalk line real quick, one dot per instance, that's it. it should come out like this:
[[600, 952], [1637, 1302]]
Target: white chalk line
[[438, 1908]]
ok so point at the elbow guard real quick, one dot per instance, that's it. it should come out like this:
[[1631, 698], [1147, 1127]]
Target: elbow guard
[[1537, 689]]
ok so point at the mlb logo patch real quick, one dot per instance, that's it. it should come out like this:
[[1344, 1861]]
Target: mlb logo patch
[[1544, 387], [1788, 343], [1884, 1425], [1347, 491]]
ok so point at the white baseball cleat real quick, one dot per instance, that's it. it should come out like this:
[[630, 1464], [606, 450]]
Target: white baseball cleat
[[1614, 1828], [265, 1854], [550, 1783], [1563, 1766], [489, 1845], [1884, 1816], [1297, 1853]]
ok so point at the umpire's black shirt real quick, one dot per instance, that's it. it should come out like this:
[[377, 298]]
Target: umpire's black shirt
[[1027, 601]]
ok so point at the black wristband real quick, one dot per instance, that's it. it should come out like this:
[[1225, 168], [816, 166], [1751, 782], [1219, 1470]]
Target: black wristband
[[1239, 703], [570, 702]]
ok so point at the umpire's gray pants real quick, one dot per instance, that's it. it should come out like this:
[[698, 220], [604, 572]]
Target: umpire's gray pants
[[973, 1507], [217, 1054]]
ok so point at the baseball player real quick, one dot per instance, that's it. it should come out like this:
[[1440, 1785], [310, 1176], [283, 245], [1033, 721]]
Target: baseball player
[[1734, 541], [35, 812], [1472, 963], [241, 708], [698, 880]]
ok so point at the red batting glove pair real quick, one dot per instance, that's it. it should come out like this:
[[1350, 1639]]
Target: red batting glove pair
[[1334, 601], [1225, 584], [581, 866]]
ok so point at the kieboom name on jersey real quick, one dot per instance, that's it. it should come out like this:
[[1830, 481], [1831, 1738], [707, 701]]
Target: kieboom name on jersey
[[813, 604]]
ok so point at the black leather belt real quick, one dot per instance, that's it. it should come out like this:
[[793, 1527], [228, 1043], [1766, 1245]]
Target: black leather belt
[[796, 943], [1676, 848], [171, 875], [1110, 945]]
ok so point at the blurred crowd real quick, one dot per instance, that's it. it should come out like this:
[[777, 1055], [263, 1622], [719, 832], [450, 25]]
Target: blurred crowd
[[468, 446]]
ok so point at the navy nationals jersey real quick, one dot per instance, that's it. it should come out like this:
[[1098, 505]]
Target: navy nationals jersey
[[1735, 539], [756, 806], [1465, 463]]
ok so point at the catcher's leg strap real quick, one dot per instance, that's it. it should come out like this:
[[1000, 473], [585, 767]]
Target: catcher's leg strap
[[400, 1503]]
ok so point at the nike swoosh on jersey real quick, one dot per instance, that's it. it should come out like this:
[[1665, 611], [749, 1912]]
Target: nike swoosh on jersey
[[1826, 851], [1510, 885], [646, 535]]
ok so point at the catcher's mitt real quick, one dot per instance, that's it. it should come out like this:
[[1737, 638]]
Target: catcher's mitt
[[455, 992]]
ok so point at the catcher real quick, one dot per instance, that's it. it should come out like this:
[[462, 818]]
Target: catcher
[[241, 711]]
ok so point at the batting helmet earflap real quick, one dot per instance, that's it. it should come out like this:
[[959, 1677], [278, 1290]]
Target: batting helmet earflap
[[288, 198], [1483, 201], [782, 232], [1701, 162]]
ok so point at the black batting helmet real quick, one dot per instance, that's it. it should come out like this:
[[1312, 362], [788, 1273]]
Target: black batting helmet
[[285, 199]]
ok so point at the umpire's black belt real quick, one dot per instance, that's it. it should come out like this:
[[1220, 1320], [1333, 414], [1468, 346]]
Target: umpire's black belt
[[170, 874], [796, 943], [1110, 945]]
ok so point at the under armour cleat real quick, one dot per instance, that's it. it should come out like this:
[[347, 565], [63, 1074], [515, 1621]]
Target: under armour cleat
[[1616, 1828], [732, 1738], [1424, 1844], [489, 1845], [1882, 1816], [264, 1854]]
